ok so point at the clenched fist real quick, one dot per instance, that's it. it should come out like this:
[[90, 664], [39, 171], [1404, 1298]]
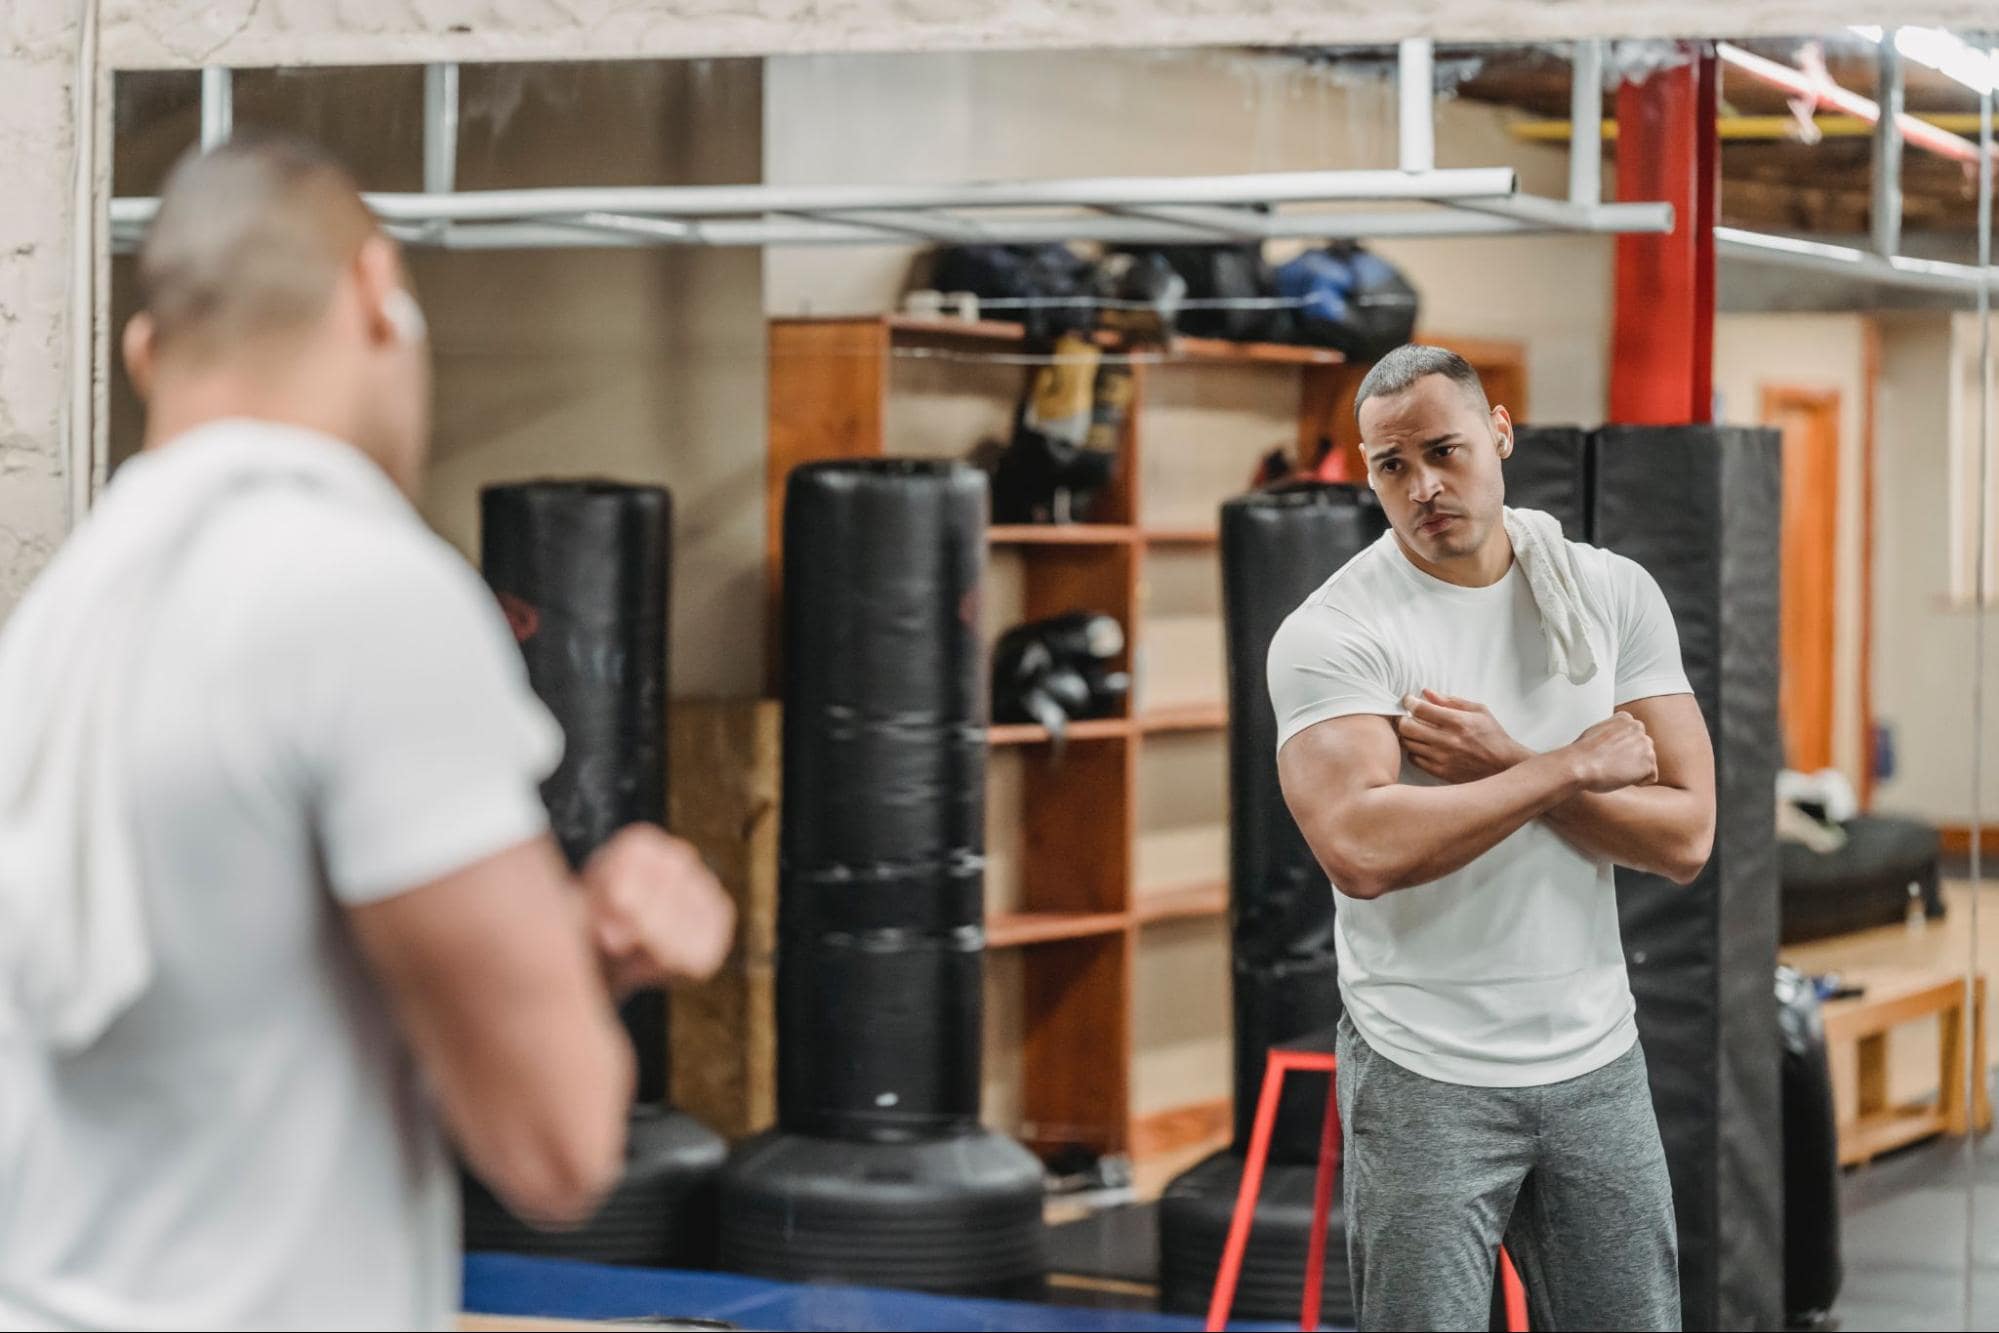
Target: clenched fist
[[657, 915], [1614, 754], [1455, 739]]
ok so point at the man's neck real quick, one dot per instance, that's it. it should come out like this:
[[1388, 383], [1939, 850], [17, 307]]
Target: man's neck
[[183, 405], [1480, 569]]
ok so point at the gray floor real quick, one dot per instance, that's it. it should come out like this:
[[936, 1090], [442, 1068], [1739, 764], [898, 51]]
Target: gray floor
[[1903, 1239]]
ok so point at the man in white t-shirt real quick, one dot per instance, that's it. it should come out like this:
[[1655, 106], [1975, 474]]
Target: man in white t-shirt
[[1468, 789], [279, 908]]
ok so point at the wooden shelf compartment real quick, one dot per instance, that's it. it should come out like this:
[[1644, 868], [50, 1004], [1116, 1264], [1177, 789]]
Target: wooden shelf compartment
[[1185, 717], [1029, 733], [1191, 901], [1014, 929], [1182, 536], [1058, 534]]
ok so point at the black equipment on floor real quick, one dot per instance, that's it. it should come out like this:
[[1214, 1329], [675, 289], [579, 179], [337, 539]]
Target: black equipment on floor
[[878, 1171], [1059, 670], [1812, 1266], [1865, 882], [1697, 506], [1277, 547], [580, 568]]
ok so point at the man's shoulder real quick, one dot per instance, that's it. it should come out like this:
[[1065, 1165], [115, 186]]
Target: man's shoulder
[[293, 552], [1357, 588]]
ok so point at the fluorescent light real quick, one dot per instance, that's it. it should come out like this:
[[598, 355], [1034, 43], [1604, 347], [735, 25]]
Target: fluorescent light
[[1944, 52]]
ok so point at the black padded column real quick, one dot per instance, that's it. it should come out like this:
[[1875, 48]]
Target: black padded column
[[1699, 506], [1549, 470], [878, 1171], [1277, 547], [881, 894], [581, 570]]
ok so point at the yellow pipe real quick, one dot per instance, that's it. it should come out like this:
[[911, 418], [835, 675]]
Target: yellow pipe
[[1757, 127]]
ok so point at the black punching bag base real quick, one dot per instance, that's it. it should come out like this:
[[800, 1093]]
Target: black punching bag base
[[661, 1215], [1194, 1215], [958, 1214]]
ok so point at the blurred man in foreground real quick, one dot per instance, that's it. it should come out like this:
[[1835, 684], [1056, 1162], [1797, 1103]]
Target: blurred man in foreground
[[278, 904]]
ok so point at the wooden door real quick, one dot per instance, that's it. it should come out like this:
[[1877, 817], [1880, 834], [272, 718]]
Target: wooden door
[[1809, 420]]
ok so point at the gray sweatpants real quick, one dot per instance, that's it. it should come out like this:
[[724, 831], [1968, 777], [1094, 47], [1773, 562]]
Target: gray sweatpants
[[1571, 1174]]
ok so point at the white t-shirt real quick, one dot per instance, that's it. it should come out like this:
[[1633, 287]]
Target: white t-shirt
[[332, 712], [1509, 972]]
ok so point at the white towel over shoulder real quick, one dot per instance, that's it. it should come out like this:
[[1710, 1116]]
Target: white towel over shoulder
[[75, 950], [1549, 564]]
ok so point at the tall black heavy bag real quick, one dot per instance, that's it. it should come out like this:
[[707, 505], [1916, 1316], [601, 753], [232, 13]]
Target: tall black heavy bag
[[1813, 1269], [881, 879], [581, 570], [1549, 471], [1277, 546], [1698, 507]]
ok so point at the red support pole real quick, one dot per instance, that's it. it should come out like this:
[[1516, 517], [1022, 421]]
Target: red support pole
[[1662, 342], [1230, 1271], [1322, 1211]]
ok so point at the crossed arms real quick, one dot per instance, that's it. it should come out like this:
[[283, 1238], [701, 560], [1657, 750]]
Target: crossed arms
[[1636, 789]]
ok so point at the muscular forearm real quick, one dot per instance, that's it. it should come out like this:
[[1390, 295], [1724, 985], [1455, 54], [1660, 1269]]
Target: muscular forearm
[[1663, 830], [1396, 836], [1659, 829]]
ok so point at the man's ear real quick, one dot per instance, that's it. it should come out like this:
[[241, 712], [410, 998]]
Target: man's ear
[[138, 346], [378, 273], [1502, 428]]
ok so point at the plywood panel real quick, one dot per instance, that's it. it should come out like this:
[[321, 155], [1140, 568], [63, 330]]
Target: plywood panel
[[942, 403], [1077, 1007], [1181, 1036], [1005, 1029], [723, 1032], [1180, 629], [1183, 811], [1005, 829], [1205, 428]]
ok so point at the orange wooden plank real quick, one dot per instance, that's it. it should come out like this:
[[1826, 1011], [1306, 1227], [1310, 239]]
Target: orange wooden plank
[[1077, 1088], [1013, 929], [1057, 534], [1027, 733], [1195, 900], [1185, 717]]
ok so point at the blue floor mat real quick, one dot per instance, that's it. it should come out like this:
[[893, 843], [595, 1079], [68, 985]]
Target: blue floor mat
[[506, 1284]]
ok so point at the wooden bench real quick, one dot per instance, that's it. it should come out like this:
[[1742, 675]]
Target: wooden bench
[[1888, 1001]]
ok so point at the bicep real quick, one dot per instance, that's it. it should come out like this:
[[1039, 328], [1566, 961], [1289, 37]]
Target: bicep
[[1327, 767], [1680, 741]]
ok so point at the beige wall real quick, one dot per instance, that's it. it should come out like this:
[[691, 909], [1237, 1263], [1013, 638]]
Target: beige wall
[[642, 365], [904, 118], [1923, 646], [1819, 352]]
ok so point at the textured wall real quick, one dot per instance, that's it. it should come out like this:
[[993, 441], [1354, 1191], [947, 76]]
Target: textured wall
[[37, 43], [37, 63], [253, 32]]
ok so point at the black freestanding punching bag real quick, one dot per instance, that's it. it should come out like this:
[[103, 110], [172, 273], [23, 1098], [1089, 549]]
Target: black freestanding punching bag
[[1698, 507], [580, 568], [878, 1171], [1277, 546], [1549, 471]]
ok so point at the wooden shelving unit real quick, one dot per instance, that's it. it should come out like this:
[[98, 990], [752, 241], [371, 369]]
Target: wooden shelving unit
[[1082, 931]]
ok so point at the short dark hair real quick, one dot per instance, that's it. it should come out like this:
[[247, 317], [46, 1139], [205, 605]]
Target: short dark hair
[[248, 241], [1414, 361]]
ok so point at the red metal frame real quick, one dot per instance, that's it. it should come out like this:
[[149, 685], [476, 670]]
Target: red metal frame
[[1662, 342], [1276, 1066]]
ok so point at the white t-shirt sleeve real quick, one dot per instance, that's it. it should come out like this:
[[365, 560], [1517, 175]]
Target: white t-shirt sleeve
[[1324, 664], [1648, 642], [424, 747]]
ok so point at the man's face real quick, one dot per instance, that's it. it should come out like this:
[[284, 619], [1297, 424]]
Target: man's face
[[1433, 459]]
